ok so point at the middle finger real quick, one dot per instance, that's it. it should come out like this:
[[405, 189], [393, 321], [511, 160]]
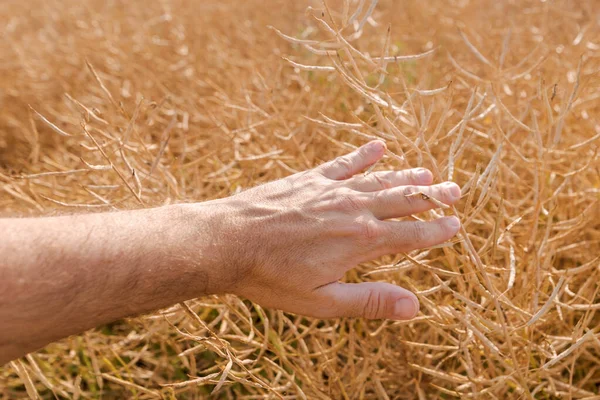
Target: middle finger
[[380, 180]]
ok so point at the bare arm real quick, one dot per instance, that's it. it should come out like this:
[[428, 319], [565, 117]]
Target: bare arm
[[285, 245], [63, 275]]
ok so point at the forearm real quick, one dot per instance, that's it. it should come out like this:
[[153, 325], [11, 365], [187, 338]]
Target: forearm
[[63, 275], [286, 244]]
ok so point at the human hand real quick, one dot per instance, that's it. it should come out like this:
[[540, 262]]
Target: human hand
[[289, 242], [285, 245]]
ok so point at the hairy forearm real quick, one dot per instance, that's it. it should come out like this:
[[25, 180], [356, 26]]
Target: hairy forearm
[[63, 275], [286, 244]]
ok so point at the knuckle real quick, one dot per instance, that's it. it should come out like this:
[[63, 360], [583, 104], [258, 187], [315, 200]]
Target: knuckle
[[368, 230], [344, 165], [383, 198], [384, 182], [373, 304], [445, 195], [442, 193], [408, 194], [418, 233], [413, 175], [363, 153]]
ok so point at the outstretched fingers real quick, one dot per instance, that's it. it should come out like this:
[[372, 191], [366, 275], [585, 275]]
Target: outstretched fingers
[[379, 300]]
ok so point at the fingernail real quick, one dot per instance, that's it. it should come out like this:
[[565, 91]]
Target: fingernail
[[406, 308], [453, 222], [454, 189]]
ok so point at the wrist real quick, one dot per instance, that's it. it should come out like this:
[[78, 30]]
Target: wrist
[[200, 240]]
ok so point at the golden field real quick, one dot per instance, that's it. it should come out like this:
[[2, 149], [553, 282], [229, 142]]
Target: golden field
[[110, 105]]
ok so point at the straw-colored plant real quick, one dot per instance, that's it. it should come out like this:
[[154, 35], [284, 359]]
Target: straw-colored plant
[[117, 105]]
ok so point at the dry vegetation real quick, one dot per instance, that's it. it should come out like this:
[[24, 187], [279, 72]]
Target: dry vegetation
[[114, 105]]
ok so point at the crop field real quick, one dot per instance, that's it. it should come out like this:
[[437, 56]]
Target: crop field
[[111, 105]]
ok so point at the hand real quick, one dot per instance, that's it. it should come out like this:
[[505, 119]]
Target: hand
[[290, 242]]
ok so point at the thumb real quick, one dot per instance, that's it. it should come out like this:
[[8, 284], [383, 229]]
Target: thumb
[[371, 300]]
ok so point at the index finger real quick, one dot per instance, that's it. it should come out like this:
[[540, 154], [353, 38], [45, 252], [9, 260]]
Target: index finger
[[350, 164]]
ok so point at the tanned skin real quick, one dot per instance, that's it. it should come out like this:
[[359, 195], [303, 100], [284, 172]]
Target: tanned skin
[[286, 245]]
